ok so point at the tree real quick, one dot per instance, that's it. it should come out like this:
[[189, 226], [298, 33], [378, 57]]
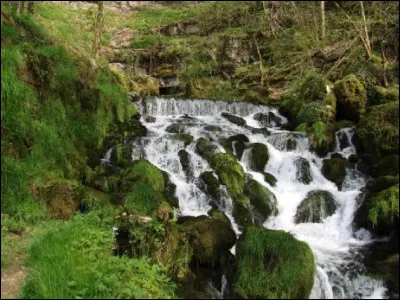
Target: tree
[[366, 42], [98, 28]]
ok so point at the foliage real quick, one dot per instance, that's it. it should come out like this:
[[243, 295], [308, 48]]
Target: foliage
[[73, 260], [142, 200], [384, 206]]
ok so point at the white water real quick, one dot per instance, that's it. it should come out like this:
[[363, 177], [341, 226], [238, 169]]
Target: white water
[[334, 243]]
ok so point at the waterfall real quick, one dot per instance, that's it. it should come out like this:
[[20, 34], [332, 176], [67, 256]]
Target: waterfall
[[335, 245]]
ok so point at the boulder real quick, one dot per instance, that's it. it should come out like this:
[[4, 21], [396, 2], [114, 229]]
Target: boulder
[[268, 120], [321, 137], [265, 265], [351, 98], [259, 157], [334, 169], [234, 119], [268, 177], [316, 206], [206, 149], [303, 172], [121, 155]]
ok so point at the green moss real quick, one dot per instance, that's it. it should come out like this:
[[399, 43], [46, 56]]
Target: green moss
[[142, 200], [259, 157], [321, 138], [334, 169], [268, 177], [212, 184], [144, 172], [384, 207], [314, 112], [234, 119], [378, 132], [351, 98], [211, 88], [378, 95], [302, 127], [122, 155], [230, 173], [206, 149], [265, 265], [313, 88], [261, 198], [186, 138]]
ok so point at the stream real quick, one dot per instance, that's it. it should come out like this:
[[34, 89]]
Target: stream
[[336, 245]]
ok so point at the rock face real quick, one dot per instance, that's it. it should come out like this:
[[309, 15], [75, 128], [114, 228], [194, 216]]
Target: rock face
[[303, 173], [266, 259], [259, 157], [334, 169], [262, 199], [316, 206], [351, 98]]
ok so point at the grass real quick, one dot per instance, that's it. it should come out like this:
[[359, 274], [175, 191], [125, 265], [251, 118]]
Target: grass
[[73, 260], [273, 265], [142, 200]]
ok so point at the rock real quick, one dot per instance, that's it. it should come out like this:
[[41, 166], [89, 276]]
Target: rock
[[142, 199], [343, 140], [351, 98], [176, 128], [206, 149], [122, 155], [321, 138], [313, 88], [268, 177], [169, 191], [184, 158], [164, 211], [303, 172], [150, 119], [144, 172], [265, 259], [227, 144], [259, 157], [211, 184], [314, 112], [239, 144], [376, 166], [267, 120], [212, 128], [262, 199], [234, 119], [209, 238], [315, 207], [291, 144], [263, 131], [186, 138], [219, 215], [378, 95], [382, 183], [353, 158], [334, 169], [378, 131]]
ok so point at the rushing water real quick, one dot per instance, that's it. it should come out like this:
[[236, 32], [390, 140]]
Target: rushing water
[[335, 244]]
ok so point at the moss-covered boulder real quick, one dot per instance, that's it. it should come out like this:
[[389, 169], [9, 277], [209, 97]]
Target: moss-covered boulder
[[144, 172], [268, 177], [313, 112], [121, 155], [234, 119], [219, 215], [378, 95], [383, 211], [267, 120], [185, 138], [206, 149], [382, 183], [210, 238], [142, 199], [62, 196], [321, 138], [176, 128], [316, 206], [263, 200], [334, 169], [351, 98], [303, 170], [169, 191], [266, 260], [313, 88], [259, 157], [164, 211], [238, 144], [211, 184], [184, 158], [378, 131]]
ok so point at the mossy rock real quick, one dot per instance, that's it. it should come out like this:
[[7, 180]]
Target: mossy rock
[[262, 199], [321, 137], [63, 197], [169, 191], [229, 171], [313, 112], [142, 200], [315, 207], [271, 179], [184, 158], [382, 183], [259, 157], [234, 119], [164, 211], [227, 144], [351, 98], [206, 149], [212, 128], [219, 215], [186, 138], [103, 170], [313, 88], [144, 172], [266, 260], [121, 155], [267, 120], [303, 170], [383, 213], [211, 184], [334, 169], [378, 131], [144, 85], [378, 95], [290, 107], [239, 144], [209, 238], [302, 127], [176, 128], [376, 166], [241, 212]]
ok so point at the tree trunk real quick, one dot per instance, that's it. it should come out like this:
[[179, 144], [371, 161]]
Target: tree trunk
[[384, 62], [323, 21], [367, 43], [98, 28], [31, 6], [21, 7]]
